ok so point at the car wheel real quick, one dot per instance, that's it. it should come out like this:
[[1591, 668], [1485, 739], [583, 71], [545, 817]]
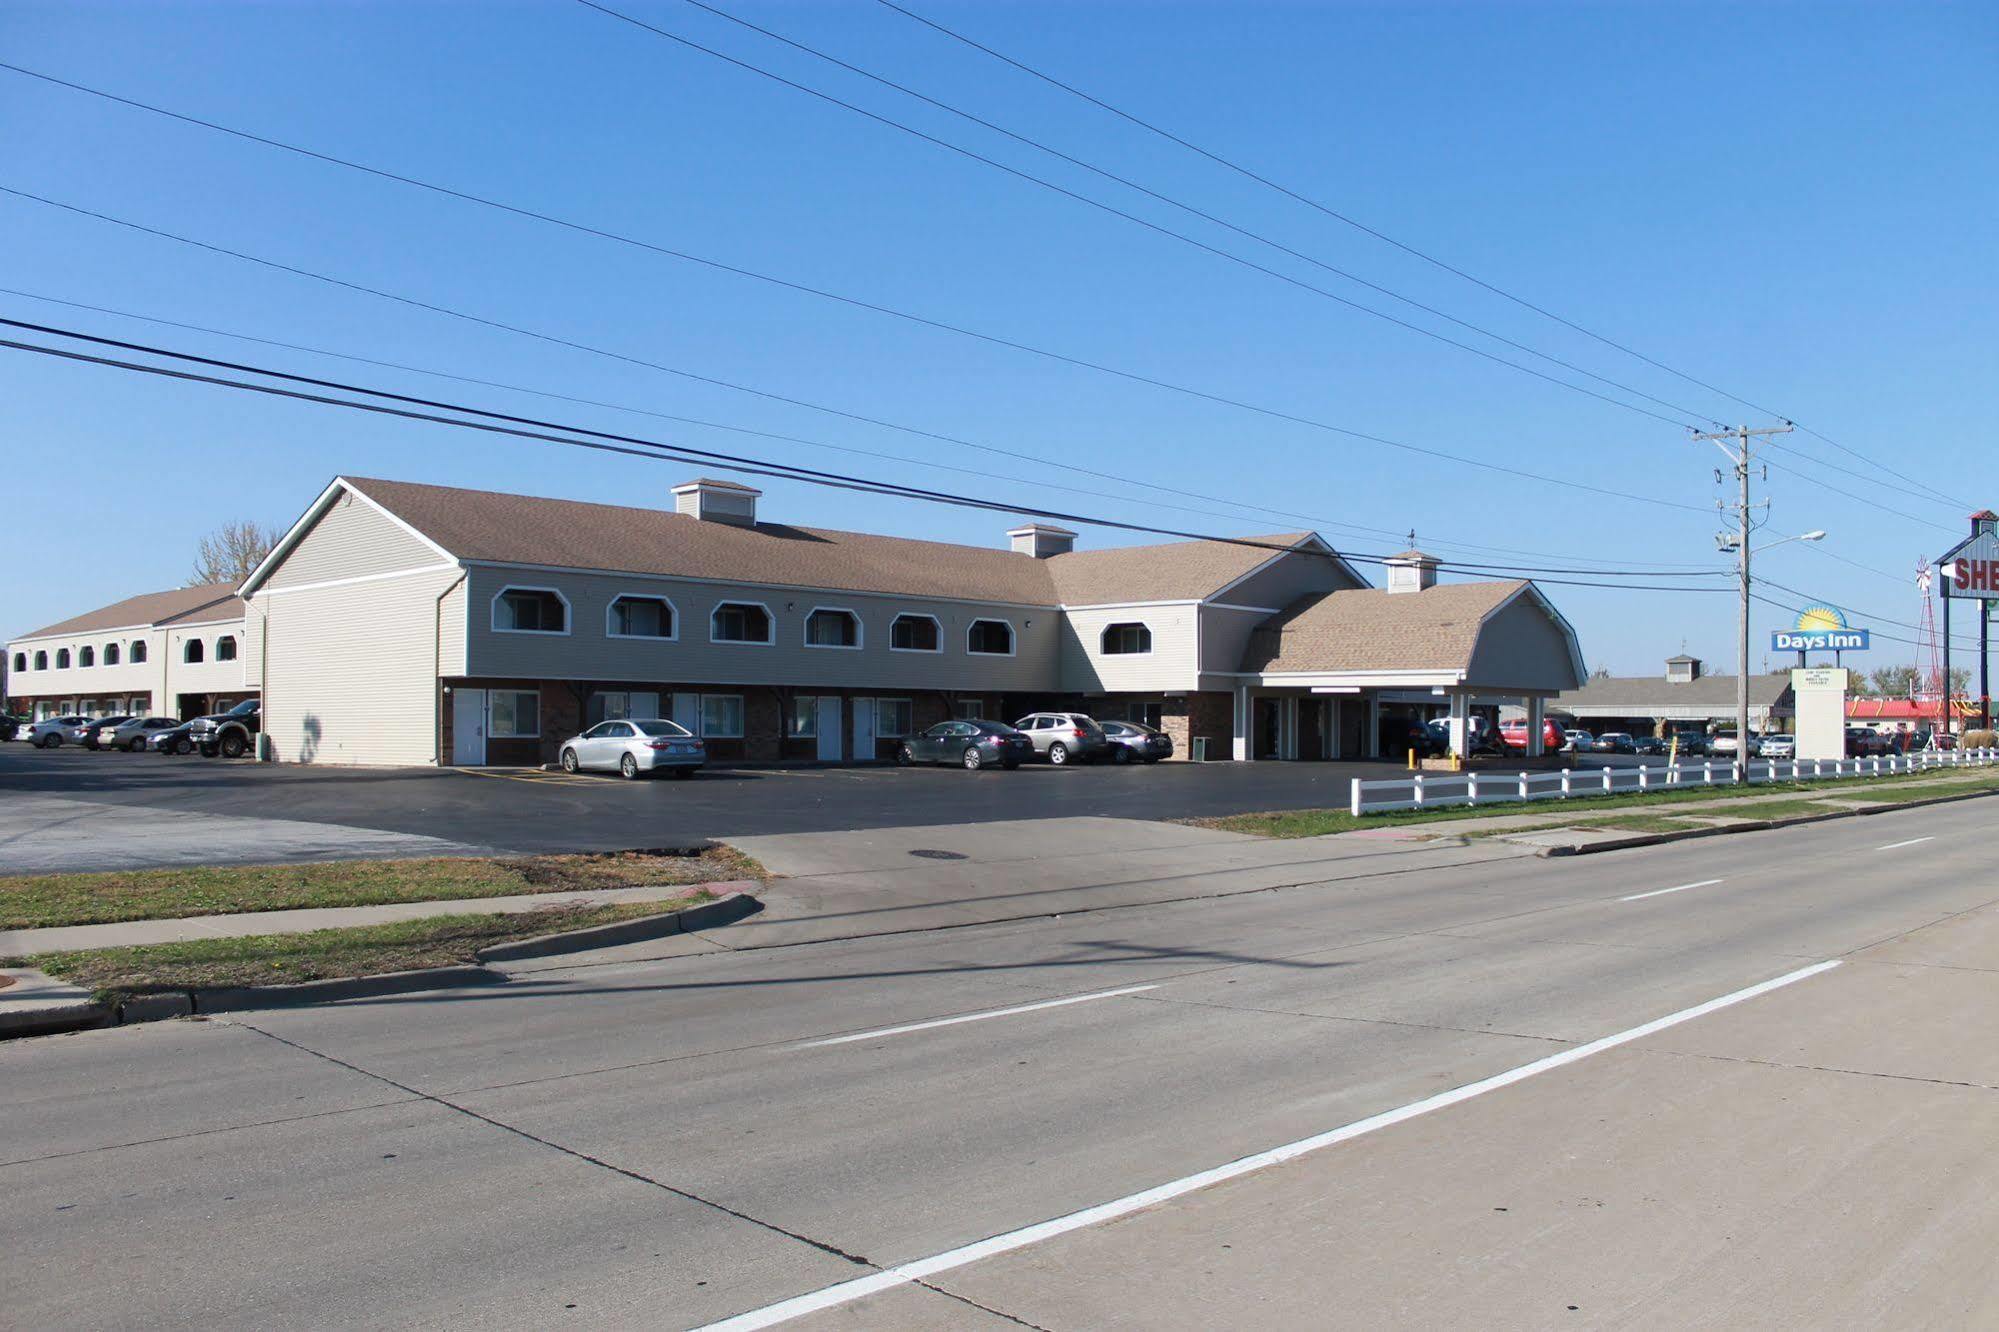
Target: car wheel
[[1058, 753], [568, 761], [183, 746], [628, 768], [973, 759], [51, 741], [233, 745], [904, 756], [1121, 754], [137, 746]]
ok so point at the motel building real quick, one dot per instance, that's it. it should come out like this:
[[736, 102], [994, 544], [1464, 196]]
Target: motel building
[[405, 624], [178, 653]]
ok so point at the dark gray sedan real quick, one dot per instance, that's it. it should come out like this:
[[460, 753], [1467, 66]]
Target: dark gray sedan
[[970, 744], [1132, 742]]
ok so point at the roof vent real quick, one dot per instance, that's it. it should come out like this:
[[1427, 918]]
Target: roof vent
[[1042, 540], [1411, 571], [1984, 521], [717, 501], [1682, 669]]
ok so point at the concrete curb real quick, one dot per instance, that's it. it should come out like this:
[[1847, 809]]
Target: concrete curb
[[232, 998], [723, 910], [1689, 834]]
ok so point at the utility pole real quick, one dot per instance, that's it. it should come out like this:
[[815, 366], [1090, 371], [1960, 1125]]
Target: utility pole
[[1739, 457]]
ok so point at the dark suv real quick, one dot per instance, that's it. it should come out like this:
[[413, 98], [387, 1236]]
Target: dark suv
[[231, 734]]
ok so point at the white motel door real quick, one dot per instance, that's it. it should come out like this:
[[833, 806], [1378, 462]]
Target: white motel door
[[468, 727], [864, 730], [828, 728]]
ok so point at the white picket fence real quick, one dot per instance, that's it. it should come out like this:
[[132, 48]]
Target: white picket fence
[[1422, 790]]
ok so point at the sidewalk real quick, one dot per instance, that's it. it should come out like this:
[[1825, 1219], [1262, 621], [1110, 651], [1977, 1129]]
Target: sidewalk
[[127, 933]]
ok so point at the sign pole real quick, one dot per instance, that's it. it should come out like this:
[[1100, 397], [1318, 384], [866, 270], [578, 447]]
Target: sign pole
[[1984, 665], [1943, 708]]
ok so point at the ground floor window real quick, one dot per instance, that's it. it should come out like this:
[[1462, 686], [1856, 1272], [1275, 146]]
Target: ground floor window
[[969, 709], [1145, 714], [722, 716], [513, 714], [891, 718], [801, 720]]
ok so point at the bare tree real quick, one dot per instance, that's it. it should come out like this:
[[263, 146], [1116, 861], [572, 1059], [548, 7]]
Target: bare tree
[[228, 554]]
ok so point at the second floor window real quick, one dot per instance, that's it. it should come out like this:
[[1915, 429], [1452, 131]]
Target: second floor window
[[110, 654], [913, 633], [641, 617], [1127, 639], [86, 656], [530, 610], [192, 653], [41, 661], [225, 648], [138, 650], [833, 628], [739, 622], [990, 638], [62, 659]]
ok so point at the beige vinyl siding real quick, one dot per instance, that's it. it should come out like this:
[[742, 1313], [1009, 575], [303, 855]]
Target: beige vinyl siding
[[253, 647], [352, 539], [88, 681], [350, 671], [451, 613], [1169, 666], [1291, 577], [1523, 646], [207, 676], [587, 653]]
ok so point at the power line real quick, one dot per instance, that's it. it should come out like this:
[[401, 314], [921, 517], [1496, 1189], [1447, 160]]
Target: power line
[[1862, 477], [1270, 412], [531, 428], [1384, 237], [1869, 502], [824, 293], [1652, 568], [1130, 184]]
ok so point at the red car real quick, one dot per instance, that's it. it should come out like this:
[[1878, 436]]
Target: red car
[[1514, 735]]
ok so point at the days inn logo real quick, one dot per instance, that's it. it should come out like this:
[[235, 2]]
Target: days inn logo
[[1820, 628]]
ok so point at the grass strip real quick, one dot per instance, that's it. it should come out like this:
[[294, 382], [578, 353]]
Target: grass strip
[[40, 900], [1320, 822], [362, 950]]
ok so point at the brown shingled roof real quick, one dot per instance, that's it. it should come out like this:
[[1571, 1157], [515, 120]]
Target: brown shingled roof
[[1368, 629], [188, 605], [569, 534]]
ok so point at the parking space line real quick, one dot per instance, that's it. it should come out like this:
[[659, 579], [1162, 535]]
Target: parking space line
[[845, 1292], [1896, 846], [1661, 892], [975, 1017]]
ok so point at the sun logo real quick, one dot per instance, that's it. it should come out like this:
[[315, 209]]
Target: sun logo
[[1820, 617]]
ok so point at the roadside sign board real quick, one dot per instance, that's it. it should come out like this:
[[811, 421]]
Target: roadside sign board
[[1971, 572], [1819, 628]]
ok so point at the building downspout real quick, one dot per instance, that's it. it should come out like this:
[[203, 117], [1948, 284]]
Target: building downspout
[[437, 664], [264, 746]]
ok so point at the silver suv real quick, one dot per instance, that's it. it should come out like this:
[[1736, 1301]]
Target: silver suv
[[1065, 737]]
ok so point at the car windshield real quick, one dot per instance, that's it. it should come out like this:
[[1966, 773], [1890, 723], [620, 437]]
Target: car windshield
[[243, 709], [995, 728], [662, 728]]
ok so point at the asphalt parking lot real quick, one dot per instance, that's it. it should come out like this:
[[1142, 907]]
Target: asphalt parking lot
[[74, 809]]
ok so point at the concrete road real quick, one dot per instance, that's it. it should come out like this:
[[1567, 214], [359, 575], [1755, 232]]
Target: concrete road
[[680, 1142], [530, 813]]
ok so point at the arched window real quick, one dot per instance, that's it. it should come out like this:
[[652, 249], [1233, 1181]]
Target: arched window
[[740, 622], [110, 654], [225, 648], [20, 662], [915, 633], [192, 652], [831, 627], [86, 656], [530, 610], [138, 650], [641, 617], [989, 638], [41, 660], [1127, 639], [62, 659]]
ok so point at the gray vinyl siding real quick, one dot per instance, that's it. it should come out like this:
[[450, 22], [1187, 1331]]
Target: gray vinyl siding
[[1170, 666], [588, 653], [351, 671], [352, 539], [1224, 637], [1291, 577], [1522, 646]]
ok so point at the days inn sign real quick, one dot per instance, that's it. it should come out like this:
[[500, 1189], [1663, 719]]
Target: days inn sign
[[1819, 629]]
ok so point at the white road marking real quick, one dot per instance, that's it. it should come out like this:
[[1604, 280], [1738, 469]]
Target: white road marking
[[976, 1017], [847, 1291], [1896, 846], [1661, 892]]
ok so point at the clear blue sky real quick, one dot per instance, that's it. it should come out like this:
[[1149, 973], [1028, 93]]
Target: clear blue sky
[[1795, 202]]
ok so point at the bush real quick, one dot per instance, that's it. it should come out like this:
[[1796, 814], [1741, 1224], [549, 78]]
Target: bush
[[1979, 739]]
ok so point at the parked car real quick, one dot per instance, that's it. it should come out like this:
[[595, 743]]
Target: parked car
[[176, 740], [1400, 735], [1132, 740], [230, 734], [1649, 745], [1065, 737], [970, 744], [1513, 735], [1722, 744], [91, 734], [1478, 739], [11, 725], [50, 732], [132, 734], [1864, 742], [1615, 742], [1690, 743], [635, 747], [1580, 742], [1780, 746]]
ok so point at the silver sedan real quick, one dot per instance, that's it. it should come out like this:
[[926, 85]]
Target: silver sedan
[[634, 748]]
